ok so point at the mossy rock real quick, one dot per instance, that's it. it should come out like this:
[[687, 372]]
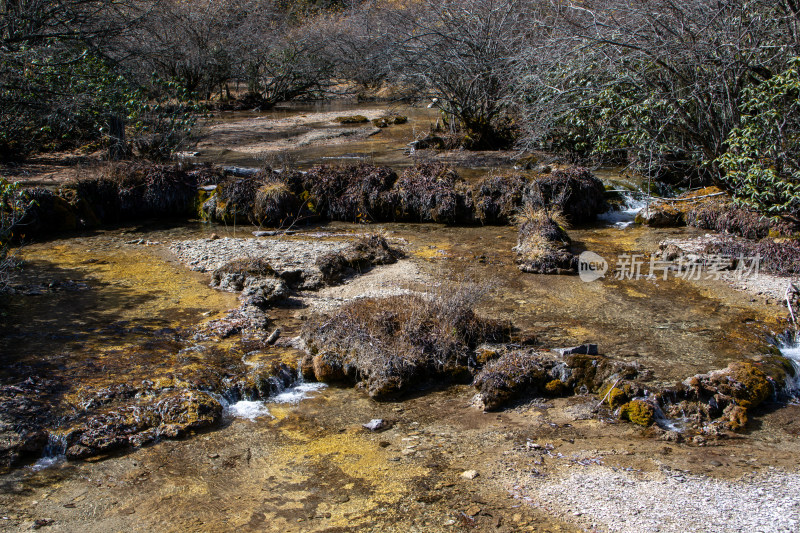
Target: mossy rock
[[200, 198], [755, 385], [385, 122], [638, 412], [352, 119], [328, 368], [616, 398], [736, 417], [556, 387], [778, 368]]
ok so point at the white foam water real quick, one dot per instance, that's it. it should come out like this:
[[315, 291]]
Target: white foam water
[[47, 462], [53, 454], [622, 218], [790, 349], [253, 409], [247, 409], [298, 392]]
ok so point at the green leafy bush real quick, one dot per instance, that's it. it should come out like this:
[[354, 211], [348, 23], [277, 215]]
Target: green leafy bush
[[762, 164]]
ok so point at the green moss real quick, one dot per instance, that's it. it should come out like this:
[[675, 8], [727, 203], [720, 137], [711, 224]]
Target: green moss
[[555, 387], [638, 412], [756, 387], [616, 398]]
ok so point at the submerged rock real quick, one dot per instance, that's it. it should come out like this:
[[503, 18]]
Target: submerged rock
[[172, 415], [377, 424]]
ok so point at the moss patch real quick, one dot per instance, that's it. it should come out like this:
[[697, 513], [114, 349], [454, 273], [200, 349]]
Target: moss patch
[[638, 412]]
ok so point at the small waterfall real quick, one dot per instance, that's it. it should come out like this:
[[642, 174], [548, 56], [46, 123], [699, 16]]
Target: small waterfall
[[634, 201], [789, 346], [282, 389], [54, 452]]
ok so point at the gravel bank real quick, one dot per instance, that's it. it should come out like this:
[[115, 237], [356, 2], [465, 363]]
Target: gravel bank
[[291, 254], [761, 284], [670, 501], [206, 255]]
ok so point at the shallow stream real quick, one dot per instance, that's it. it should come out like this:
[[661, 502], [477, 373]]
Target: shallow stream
[[115, 306]]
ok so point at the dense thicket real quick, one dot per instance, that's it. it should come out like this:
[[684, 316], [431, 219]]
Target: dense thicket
[[687, 92]]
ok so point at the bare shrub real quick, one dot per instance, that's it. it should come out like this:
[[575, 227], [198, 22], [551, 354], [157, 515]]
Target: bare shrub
[[575, 192], [398, 344], [542, 244], [432, 192]]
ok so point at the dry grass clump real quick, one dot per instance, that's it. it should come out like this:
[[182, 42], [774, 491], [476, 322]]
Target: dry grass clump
[[513, 375], [132, 190], [233, 201], [274, 204], [114, 193], [573, 191], [432, 192], [543, 244], [353, 193], [724, 217], [397, 344], [264, 199], [782, 258], [352, 119], [498, 198], [361, 254]]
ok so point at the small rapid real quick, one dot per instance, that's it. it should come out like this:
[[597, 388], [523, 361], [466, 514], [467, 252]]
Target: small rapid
[[790, 348], [625, 214]]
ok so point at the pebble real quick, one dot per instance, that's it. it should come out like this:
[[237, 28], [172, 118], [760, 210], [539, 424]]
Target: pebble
[[639, 503], [470, 474], [377, 424], [473, 510]]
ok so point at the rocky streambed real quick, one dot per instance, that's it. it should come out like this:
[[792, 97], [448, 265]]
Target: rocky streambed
[[395, 376], [130, 360]]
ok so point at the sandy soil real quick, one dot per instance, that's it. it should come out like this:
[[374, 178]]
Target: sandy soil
[[264, 134]]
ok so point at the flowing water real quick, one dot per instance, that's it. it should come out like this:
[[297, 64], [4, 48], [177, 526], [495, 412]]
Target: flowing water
[[99, 311], [790, 348]]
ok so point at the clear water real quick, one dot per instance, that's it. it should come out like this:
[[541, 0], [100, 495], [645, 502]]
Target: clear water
[[790, 349], [624, 217], [297, 393]]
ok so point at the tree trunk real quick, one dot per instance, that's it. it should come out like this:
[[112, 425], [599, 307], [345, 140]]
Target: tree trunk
[[117, 148]]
